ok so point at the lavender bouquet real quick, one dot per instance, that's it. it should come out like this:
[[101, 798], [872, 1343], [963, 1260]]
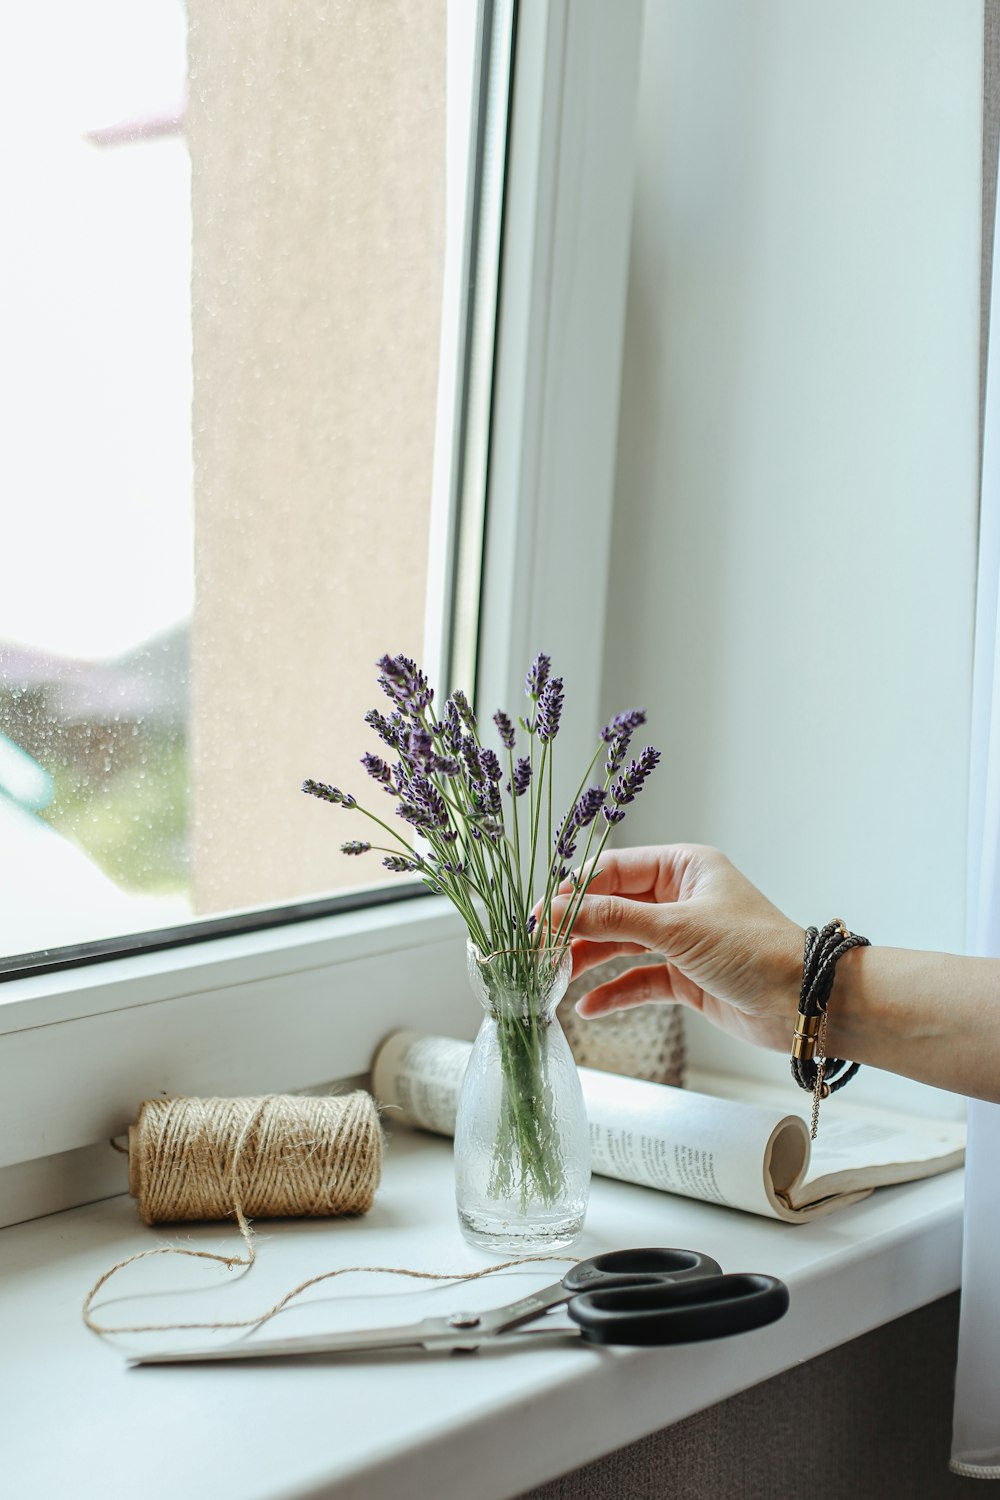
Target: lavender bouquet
[[485, 835]]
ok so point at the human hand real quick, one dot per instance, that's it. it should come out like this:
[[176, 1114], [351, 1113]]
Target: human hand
[[728, 952]]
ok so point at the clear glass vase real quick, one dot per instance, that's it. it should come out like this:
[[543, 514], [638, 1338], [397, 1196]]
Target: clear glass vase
[[522, 1144]]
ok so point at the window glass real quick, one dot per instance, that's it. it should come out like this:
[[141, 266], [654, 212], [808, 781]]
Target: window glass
[[233, 235]]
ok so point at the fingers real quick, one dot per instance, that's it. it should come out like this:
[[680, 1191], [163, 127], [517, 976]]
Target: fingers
[[655, 872], [587, 955], [611, 919], [639, 986]]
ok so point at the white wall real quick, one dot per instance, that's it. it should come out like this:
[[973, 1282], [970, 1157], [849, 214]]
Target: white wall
[[793, 570]]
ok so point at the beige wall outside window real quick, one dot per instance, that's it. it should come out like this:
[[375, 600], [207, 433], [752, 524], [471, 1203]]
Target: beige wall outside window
[[318, 152]]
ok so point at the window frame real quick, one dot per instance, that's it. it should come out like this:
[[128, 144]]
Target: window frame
[[295, 1005]]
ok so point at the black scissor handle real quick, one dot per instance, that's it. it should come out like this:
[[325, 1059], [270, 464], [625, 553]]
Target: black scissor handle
[[709, 1308], [621, 1268]]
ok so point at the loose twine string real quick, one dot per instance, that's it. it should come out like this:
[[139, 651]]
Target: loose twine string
[[275, 1157]]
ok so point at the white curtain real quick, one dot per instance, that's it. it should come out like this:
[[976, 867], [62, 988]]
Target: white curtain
[[976, 1436]]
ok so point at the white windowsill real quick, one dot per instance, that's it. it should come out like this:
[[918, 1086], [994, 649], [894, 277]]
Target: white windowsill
[[77, 1421]]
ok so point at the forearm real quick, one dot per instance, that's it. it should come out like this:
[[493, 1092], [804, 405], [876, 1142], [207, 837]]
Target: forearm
[[931, 1016]]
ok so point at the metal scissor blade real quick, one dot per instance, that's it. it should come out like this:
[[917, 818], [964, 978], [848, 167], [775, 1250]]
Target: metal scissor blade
[[498, 1319], [430, 1333]]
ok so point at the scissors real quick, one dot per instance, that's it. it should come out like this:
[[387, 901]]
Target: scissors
[[653, 1296]]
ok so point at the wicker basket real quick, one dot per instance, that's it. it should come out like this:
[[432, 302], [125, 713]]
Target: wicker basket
[[642, 1041]]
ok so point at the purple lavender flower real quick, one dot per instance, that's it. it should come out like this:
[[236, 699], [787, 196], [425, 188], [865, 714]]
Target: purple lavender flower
[[617, 754], [630, 783], [389, 730], [453, 867], [464, 710], [522, 777], [417, 816], [589, 805], [626, 723], [404, 683], [424, 807], [491, 800], [505, 729], [445, 765], [550, 706], [613, 814], [420, 746], [329, 793], [490, 765], [378, 770], [355, 846], [581, 816], [538, 675], [532, 924], [452, 722], [400, 865], [565, 841], [470, 754]]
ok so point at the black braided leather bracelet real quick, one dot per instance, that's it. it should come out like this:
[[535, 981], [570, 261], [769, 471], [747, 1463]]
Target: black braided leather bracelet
[[812, 1070]]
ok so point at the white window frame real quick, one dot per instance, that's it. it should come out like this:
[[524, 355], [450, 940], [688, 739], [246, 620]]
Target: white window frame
[[292, 1006]]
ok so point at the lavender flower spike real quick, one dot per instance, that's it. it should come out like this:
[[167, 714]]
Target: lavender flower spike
[[355, 846], [550, 706], [630, 783], [617, 754], [400, 865], [589, 805], [490, 765], [538, 675], [328, 793], [470, 754], [504, 728], [404, 683], [566, 840], [522, 777], [378, 770], [420, 747], [389, 730], [464, 710], [626, 723], [424, 807]]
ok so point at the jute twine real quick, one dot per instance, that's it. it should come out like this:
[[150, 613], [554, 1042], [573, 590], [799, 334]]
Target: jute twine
[[280, 1157], [273, 1157]]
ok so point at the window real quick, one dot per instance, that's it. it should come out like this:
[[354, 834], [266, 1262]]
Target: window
[[261, 365], [291, 1005]]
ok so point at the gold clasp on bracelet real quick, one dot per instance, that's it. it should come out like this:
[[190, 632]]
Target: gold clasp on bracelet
[[804, 1036]]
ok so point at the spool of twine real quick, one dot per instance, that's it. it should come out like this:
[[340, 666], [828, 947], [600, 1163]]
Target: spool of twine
[[277, 1157], [256, 1158]]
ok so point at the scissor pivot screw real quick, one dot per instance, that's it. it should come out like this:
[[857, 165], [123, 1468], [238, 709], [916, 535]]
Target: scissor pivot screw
[[463, 1320]]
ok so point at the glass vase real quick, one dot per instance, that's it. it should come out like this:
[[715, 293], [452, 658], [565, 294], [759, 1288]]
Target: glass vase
[[522, 1144]]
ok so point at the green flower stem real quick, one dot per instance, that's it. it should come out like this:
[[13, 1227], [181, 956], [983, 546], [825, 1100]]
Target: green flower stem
[[525, 1155], [357, 807], [573, 909], [571, 912], [537, 811], [552, 885]]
